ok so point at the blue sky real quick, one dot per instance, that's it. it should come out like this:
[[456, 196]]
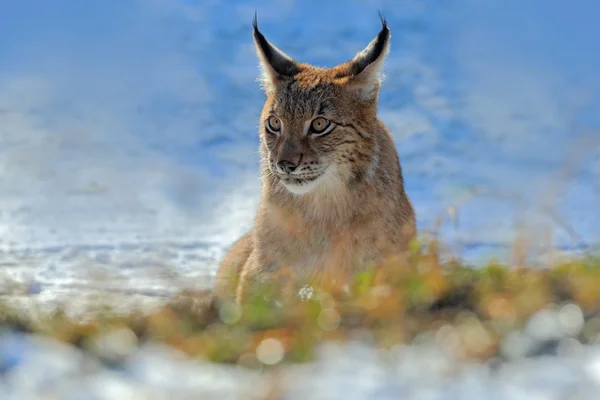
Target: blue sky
[[137, 120]]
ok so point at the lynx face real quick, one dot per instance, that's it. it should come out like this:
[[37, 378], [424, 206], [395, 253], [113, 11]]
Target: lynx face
[[308, 142], [300, 156], [316, 123]]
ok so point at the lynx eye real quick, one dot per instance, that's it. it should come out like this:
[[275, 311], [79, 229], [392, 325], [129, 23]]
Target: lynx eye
[[319, 125], [274, 124]]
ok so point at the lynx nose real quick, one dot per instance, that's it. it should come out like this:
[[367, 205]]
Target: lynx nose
[[286, 166]]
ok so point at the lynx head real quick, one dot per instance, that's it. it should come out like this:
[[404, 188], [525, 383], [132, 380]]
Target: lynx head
[[318, 126]]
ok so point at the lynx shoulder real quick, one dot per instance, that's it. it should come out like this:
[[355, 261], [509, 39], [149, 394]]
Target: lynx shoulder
[[333, 198]]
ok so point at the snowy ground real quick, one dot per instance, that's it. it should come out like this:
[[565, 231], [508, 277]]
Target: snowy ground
[[128, 149], [36, 368]]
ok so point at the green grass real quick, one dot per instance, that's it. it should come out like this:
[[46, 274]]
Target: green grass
[[395, 303]]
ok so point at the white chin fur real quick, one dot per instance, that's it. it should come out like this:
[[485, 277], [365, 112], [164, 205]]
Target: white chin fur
[[324, 181], [304, 188]]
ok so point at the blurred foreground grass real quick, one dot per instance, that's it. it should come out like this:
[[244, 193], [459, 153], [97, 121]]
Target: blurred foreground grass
[[470, 311]]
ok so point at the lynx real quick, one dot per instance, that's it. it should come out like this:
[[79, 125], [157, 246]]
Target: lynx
[[333, 198]]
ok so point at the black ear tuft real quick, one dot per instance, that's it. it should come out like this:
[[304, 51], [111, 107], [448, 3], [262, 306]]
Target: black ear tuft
[[275, 64], [383, 21], [374, 51], [366, 68]]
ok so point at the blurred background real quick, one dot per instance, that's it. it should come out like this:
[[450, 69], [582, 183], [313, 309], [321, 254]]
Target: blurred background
[[128, 129]]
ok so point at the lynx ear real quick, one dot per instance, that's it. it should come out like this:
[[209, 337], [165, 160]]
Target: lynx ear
[[274, 63], [366, 68]]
